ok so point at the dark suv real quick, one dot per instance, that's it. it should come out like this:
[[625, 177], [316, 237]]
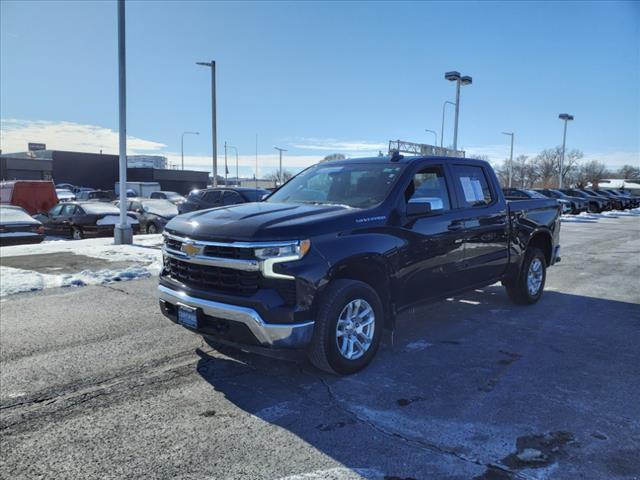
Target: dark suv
[[578, 204], [219, 197]]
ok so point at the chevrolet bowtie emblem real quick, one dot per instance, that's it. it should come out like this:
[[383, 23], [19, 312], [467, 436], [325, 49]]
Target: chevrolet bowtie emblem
[[190, 249]]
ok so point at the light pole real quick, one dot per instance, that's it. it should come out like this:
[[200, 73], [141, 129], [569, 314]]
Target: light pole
[[510, 158], [466, 80], [280, 171], [214, 132], [442, 129], [182, 145], [122, 232], [435, 135], [567, 118], [237, 175]]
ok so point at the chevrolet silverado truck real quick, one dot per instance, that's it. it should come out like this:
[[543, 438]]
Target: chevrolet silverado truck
[[329, 260]]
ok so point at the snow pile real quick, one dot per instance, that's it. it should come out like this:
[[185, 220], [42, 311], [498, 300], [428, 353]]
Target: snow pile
[[586, 217], [143, 259]]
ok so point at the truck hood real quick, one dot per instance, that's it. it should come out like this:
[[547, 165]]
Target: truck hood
[[263, 221]]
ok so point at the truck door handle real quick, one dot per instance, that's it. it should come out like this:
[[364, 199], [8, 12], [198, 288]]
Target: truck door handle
[[453, 227]]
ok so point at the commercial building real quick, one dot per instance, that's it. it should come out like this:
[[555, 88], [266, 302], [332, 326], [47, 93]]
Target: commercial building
[[94, 170]]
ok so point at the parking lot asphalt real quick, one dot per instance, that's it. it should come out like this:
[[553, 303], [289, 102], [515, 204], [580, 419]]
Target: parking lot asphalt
[[95, 383]]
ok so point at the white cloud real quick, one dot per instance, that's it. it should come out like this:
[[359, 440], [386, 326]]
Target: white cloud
[[16, 134], [338, 146]]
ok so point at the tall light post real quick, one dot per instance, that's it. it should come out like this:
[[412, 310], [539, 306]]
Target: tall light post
[[442, 128], [214, 132], [435, 135], [122, 232], [236, 150], [510, 158], [567, 118], [182, 145], [466, 80], [280, 170]]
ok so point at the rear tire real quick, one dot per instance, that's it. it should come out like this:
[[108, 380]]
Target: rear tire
[[151, 228], [349, 323], [528, 287]]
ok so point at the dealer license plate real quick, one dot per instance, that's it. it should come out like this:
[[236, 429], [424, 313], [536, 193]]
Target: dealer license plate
[[187, 316]]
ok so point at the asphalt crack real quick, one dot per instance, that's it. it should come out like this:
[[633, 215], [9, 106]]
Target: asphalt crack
[[417, 443]]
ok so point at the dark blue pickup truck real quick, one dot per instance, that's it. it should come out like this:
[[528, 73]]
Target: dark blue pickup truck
[[327, 261]]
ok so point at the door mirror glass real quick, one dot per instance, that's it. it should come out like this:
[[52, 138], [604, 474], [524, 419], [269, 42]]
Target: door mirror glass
[[424, 206]]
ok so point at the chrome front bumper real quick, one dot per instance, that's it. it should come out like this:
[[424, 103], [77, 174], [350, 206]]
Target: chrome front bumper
[[270, 335]]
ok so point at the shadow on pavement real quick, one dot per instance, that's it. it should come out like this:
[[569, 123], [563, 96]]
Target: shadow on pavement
[[473, 387]]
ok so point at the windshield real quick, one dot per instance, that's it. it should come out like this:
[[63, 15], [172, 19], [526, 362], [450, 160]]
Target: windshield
[[164, 208], [534, 194], [358, 185], [99, 208]]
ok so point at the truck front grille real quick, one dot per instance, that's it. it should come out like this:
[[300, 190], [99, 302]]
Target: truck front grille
[[218, 251], [204, 277]]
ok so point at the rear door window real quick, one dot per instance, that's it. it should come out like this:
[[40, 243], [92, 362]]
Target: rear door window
[[231, 198], [472, 185], [212, 197]]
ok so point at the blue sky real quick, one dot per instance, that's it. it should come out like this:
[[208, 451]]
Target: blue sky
[[319, 78]]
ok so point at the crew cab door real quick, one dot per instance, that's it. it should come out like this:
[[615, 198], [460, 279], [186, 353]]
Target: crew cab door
[[486, 224], [434, 241]]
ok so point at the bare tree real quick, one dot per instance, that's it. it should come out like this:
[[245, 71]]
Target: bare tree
[[628, 172], [275, 177], [591, 173], [547, 166]]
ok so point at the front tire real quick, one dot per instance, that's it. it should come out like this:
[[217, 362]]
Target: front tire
[[152, 228], [348, 327], [76, 233], [528, 287]]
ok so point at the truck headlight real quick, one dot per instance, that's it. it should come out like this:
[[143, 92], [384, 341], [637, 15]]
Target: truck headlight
[[286, 252], [291, 251]]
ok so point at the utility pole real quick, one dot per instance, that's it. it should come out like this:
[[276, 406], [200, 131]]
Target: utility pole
[[214, 132], [280, 170], [225, 164], [256, 174], [510, 158], [567, 118], [182, 145], [122, 232]]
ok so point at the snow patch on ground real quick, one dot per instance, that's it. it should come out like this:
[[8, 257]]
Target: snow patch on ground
[[340, 473], [144, 259], [586, 217]]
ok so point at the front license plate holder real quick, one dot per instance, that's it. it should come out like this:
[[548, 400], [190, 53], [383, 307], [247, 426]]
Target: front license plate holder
[[188, 316]]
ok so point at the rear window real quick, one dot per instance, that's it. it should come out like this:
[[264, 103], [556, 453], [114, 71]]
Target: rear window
[[10, 215], [254, 195], [473, 185], [100, 208]]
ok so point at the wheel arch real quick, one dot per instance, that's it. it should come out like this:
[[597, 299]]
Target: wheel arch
[[373, 270], [543, 240]]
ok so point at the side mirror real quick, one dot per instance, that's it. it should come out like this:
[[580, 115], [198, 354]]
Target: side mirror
[[424, 206], [263, 197]]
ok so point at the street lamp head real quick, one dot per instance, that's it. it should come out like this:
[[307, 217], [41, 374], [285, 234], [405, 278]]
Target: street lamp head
[[565, 116], [466, 80], [452, 76], [204, 64], [507, 133]]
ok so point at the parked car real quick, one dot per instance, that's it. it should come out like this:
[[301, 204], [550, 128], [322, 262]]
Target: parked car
[[84, 219], [34, 196], [152, 214], [523, 193], [578, 204], [139, 189], [65, 195], [218, 197], [173, 197], [96, 195], [18, 227], [610, 203], [66, 186], [619, 203], [595, 204], [331, 258], [634, 199]]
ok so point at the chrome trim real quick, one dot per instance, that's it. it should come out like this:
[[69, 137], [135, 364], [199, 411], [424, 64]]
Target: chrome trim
[[230, 244], [265, 266], [269, 334], [234, 263]]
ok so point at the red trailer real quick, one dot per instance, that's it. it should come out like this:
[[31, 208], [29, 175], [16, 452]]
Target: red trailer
[[35, 196]]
